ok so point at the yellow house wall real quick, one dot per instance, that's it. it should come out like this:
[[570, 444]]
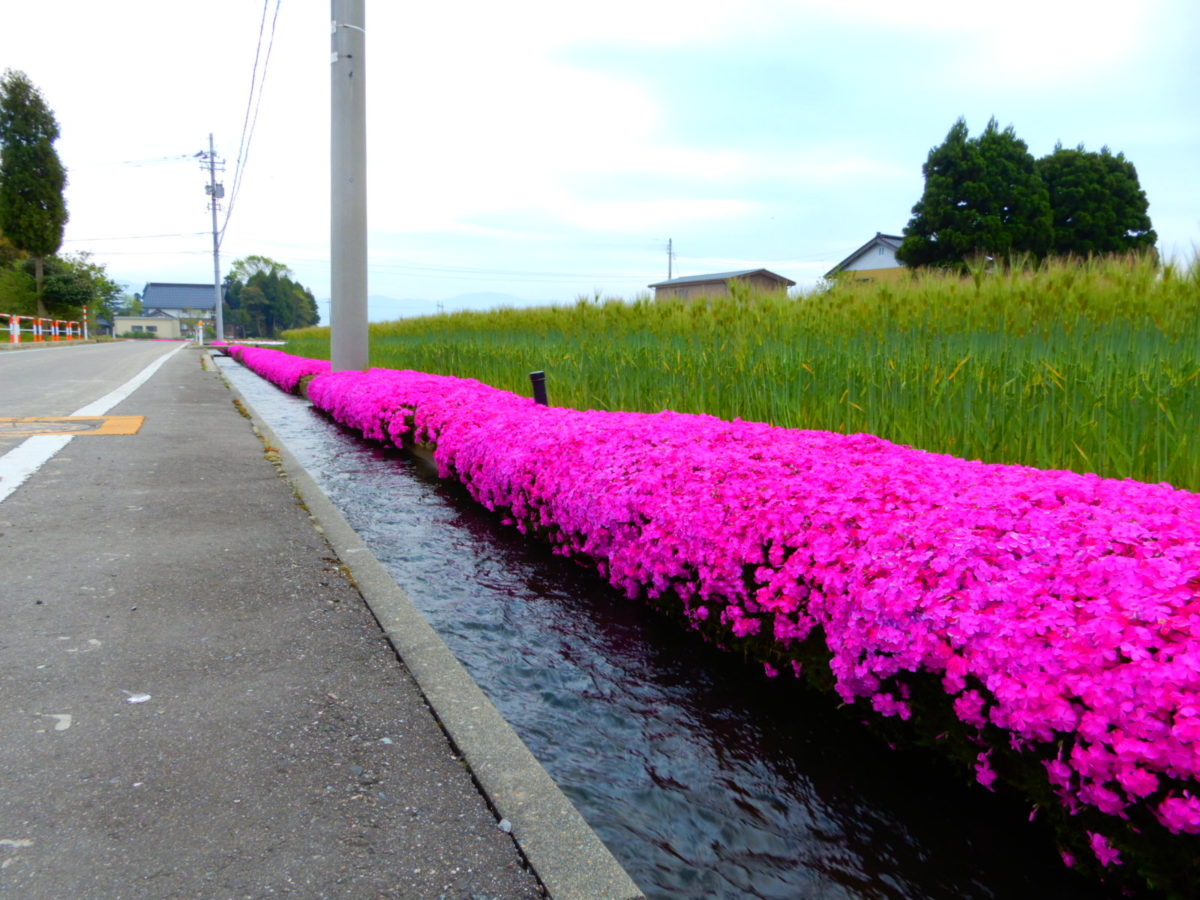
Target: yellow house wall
[[165, 327], [891, 273]]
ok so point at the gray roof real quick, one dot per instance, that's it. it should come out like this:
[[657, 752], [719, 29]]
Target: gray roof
[[719, 277], [888, 240], [159, 295], [155, 314]]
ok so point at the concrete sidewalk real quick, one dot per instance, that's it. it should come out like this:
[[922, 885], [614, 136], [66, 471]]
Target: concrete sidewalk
[[196, 700]]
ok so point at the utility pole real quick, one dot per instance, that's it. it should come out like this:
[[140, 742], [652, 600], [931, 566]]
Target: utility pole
[[215, 192], [349, 349], [670, 257]]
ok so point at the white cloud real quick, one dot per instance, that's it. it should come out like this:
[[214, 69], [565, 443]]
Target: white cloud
[[1019, 43]]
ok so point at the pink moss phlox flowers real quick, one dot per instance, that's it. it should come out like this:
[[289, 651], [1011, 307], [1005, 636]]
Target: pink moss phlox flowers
[[1062, 608], [279, 368], [1105, 853]]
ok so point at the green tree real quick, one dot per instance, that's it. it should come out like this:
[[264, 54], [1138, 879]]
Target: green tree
[[983, 196], [248, 266], [69, 284], [262, 298], [32, 177], [1099, 205], [8, 253], [18, 295]]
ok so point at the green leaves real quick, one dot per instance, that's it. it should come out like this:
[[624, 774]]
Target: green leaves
[[32, 177], [988, 197], [1099, 205], [261, 298]]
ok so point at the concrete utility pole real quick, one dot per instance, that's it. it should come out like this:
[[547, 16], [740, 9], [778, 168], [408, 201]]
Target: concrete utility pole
[[215, 192], [348, 233]]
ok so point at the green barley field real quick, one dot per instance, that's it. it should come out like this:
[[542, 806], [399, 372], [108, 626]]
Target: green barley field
[[1090, 366]]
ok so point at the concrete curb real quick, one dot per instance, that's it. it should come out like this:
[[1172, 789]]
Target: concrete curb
[[568, 857]]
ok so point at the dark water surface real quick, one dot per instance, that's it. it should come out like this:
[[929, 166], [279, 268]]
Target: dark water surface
[[703, 777]]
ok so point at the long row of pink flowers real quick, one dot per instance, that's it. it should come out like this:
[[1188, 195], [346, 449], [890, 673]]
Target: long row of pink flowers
[[1062, 608]]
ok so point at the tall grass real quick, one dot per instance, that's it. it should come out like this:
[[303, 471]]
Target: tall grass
[[1089, 366]]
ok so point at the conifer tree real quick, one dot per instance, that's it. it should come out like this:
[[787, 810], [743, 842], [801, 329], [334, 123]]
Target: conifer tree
[[983, 196], [1099, 205], [33, 211]]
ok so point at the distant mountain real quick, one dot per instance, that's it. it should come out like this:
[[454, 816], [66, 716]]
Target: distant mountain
[[384, 309], [484, 300]]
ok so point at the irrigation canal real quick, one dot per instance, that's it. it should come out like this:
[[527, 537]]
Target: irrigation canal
[[703, 777]]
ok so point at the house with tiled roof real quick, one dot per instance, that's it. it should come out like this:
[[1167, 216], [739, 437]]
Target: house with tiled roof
[[182, 301]]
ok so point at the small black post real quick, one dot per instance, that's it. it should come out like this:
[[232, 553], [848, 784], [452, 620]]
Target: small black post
[[538, 379]]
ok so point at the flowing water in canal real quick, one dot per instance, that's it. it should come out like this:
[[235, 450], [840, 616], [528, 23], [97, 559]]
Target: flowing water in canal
[[703, 777]]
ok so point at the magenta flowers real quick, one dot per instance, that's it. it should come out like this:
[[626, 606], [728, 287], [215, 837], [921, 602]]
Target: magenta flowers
[[281, 369], [1063, 609]]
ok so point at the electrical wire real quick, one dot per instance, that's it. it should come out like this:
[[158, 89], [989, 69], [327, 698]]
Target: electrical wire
[[262, 24], [107, 253], [134, 237], [134, 163], [474, 271], [250, 121], [241, 149]]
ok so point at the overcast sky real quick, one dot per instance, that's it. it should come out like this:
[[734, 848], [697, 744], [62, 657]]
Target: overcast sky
[[546, 149]]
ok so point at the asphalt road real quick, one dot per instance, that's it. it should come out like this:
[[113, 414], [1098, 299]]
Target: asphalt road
[[58, 379], [195, 700]]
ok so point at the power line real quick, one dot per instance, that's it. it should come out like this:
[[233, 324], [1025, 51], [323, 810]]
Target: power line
[[262, 23], [250, 121], [135, 163], [155, 253], [134, 237], [471, 270]]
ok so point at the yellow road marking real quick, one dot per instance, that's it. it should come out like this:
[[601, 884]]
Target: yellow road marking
[[33, 426]]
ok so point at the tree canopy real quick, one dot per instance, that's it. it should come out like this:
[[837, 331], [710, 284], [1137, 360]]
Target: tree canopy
[[262, 299], [33, 211], [983, 196], [988, 196], [75, 281], [8, 253], [70, 283], [1099, 205]]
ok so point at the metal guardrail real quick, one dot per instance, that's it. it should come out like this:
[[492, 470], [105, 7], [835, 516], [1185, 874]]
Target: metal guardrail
[[44, 329]]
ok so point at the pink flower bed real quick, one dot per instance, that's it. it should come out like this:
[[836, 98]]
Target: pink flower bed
[[281, 369], [1060, 608]]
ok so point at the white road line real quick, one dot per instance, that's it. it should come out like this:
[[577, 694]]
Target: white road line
[[19, 463]]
